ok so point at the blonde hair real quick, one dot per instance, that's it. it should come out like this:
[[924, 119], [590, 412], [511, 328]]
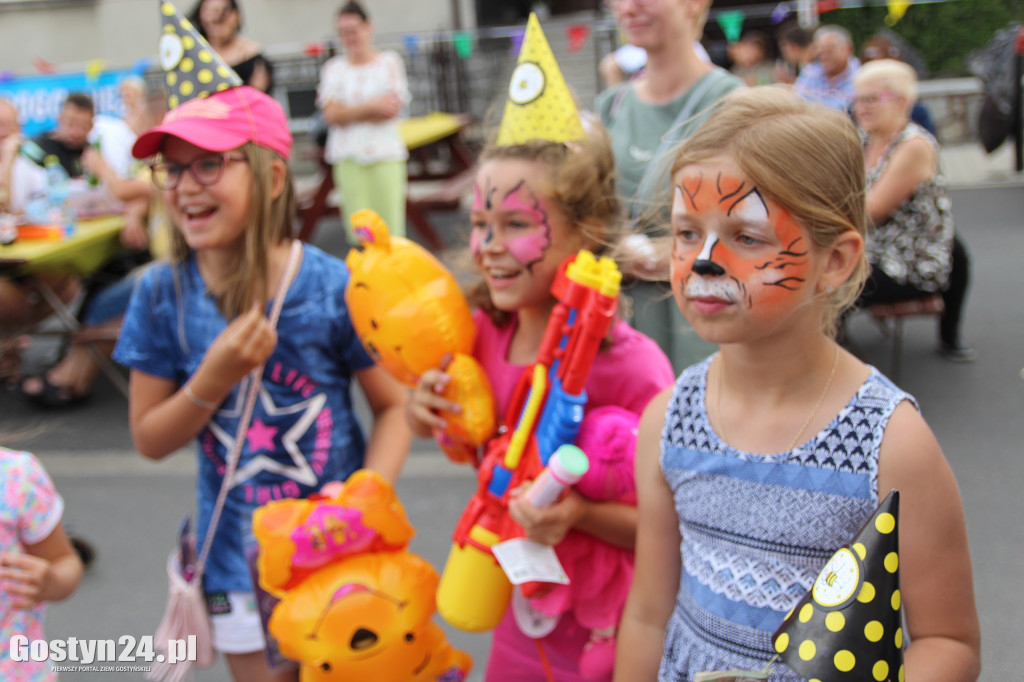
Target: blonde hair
[[580, 181], [895, 75], [270, 222], [804, 156]]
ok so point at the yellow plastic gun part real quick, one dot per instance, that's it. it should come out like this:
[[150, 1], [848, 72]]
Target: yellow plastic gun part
[[517, 444], [602, 275], [474, 591]]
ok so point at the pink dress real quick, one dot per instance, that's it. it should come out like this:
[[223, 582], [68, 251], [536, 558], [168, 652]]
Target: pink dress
[[29, 511], [599, 573], [627, 374]]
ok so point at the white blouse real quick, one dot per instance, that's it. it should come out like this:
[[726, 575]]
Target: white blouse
[[353, 84]]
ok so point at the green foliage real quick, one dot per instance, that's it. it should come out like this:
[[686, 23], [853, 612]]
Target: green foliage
[[944, 33]]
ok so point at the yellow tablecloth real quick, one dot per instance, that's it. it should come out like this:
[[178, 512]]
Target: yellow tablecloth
[[422, 130], [94, 242]]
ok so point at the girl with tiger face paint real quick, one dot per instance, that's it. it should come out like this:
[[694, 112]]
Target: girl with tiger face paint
[[736, 254], [768, 457]]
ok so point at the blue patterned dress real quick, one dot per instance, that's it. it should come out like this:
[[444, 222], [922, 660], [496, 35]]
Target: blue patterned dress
[[756, 529]]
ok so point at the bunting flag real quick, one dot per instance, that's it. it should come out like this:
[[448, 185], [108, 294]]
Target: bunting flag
[[517, 41], [142, 65], [463, 44], [539, 105], [897, 8], [780, 12], [43, 66], [577, 35], [93, 70], [731, 22], [314, 50], [191, 67], [849, 626], [412, 45]]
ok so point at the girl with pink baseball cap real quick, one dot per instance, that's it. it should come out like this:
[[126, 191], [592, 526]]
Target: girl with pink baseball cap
[[197, 326]]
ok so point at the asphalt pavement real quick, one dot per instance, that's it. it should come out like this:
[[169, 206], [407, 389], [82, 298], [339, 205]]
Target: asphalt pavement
[[130, 508]]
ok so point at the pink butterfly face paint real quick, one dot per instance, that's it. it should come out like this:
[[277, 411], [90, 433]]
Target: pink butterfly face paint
[[531, 238], [516, 215], [483, 233], [520, 235]]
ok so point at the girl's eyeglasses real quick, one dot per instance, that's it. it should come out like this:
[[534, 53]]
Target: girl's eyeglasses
[[206, 170]]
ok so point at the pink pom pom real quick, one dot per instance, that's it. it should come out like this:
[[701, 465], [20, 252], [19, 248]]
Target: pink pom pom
[[608, 436]]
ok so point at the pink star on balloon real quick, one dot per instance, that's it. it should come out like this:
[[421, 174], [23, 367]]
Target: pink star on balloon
[[261, 436]]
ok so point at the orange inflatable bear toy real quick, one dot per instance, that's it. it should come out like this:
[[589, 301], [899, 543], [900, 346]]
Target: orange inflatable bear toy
[[412, 316], [355, 605]]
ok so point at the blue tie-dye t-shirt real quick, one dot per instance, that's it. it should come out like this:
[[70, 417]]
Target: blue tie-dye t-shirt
[[304, 431]]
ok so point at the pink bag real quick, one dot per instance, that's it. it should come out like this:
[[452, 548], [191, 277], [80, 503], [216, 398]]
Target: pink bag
[[186, 613]]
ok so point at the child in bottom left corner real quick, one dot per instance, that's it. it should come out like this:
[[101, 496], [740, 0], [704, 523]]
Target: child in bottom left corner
[[37, 562], [197, 326]]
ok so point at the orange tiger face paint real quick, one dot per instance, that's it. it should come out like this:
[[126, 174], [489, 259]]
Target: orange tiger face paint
[[734, 251]]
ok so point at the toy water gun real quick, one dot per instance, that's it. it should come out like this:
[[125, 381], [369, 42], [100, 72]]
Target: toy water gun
[[548, 408]]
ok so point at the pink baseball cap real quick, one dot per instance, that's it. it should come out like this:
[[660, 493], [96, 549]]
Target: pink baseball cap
[[224, 120]]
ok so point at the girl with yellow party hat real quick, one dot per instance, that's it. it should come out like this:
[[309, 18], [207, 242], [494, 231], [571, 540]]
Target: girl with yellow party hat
[[545, 189]]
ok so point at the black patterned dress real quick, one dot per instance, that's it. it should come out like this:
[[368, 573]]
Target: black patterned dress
[[914, 245]]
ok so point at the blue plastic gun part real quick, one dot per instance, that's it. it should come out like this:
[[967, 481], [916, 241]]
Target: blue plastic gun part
[[560, 420], [500, 479]]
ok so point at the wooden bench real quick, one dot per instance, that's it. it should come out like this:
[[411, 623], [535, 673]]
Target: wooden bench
[[447, 197], [890, 317]]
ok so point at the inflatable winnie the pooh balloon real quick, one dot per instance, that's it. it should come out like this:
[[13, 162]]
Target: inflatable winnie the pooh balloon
[[355, 604], [412, 316]]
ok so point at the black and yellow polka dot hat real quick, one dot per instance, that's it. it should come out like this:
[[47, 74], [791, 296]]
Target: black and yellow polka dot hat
[[539, 105], [849, 626], [191, 67]]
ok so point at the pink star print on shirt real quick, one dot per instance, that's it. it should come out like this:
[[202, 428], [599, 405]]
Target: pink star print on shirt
[[261, 436]]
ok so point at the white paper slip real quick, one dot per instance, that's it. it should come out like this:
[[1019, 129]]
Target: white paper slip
[[525, 561]]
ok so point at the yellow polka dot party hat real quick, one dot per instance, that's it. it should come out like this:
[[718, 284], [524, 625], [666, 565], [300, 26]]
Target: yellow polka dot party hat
[[849, 626], [539, 105], [191, 67]]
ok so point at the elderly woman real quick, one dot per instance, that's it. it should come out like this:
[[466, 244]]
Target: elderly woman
[[911, 246]]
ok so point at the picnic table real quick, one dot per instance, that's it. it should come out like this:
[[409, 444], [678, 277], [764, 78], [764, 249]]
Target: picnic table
[[93, 242], [424, 137]]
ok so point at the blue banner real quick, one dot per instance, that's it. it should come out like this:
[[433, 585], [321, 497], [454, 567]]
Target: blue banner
[[39, 98]]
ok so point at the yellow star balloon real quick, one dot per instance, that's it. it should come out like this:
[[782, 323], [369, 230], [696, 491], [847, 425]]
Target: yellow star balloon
[[191, 67], [539, 105]]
